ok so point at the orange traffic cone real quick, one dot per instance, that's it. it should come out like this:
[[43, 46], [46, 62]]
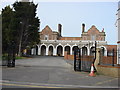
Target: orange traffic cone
[[92, 71]]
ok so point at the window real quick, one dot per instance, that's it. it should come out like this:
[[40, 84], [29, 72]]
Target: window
[[93, 37], [46, 37]]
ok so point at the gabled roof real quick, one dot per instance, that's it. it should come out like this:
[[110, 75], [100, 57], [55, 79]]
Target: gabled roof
[[93, 29], [47, 28]]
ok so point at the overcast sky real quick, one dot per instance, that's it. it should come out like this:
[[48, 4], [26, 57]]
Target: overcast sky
[[72, 14]]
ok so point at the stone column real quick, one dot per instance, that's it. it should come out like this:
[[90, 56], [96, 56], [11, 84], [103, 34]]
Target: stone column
[[63, 51], [81, 51], [54, 51], [105, 53], [47, 51], [32, 51], [88, 52], [39, 50], [70, 50]]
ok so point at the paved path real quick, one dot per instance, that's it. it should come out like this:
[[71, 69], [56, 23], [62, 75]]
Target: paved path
[[52, 72]]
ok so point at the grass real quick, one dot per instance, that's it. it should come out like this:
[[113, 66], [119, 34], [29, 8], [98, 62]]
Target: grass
[[17, 57], [5, 57]]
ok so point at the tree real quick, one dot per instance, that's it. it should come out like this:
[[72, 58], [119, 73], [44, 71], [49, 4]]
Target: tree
[[20, 25], [25, 12], [7, 14]]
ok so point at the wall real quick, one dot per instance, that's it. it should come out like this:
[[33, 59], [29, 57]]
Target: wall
[[68, 57], [70, 38], [93, 32], [51, 34], [101, 69], [108, 60], [113, 71], [108, 70]]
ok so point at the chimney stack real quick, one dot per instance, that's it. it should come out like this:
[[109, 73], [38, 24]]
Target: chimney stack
[[59, 29], [83, 27]]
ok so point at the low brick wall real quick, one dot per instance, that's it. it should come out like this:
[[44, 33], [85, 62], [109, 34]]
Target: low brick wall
[[71, 57], [108, 60], [68, 57], [108, 70]]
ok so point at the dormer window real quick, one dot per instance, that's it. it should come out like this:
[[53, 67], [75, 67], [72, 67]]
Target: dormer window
[[46, 37]]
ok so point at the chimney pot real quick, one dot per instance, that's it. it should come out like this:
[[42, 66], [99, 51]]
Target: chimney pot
[[83, 27], [59, 29]]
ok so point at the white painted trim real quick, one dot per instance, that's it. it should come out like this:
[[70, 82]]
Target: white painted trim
[[57, 47], [54, 51], [63, 51], [74, 45], [39, 51], [41, 46], [72, 48], [88, 52], [67, 45], [47, 51], [51, 45]]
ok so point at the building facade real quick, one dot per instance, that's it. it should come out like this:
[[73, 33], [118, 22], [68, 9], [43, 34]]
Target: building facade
[[52, 43], [118, 28]]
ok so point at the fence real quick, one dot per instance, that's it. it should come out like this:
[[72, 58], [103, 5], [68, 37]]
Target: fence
[[110, 59]]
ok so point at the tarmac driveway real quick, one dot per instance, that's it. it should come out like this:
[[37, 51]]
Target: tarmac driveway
[[43, 61], [52, 72]]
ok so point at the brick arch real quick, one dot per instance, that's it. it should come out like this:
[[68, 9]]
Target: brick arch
[[50, 50], [67, 48], [84, 50], [43, 49], [59, 50], [74, 47]]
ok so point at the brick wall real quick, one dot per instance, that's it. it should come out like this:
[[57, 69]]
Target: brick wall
[[93, 32], [70, 38], [47, 31], [108, 60], [68, 57], [109, 70]]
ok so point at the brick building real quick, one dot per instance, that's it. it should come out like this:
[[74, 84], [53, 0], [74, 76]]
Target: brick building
[[53, 43]]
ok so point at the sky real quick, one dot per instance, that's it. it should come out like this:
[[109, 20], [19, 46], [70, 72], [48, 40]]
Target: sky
[[71, 14]]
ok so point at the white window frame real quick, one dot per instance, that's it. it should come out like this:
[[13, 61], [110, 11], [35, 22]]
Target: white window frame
[[93, 37], [46, 37]]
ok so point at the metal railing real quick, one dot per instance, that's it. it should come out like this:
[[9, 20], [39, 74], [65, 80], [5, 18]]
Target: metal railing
[[110, 59]]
